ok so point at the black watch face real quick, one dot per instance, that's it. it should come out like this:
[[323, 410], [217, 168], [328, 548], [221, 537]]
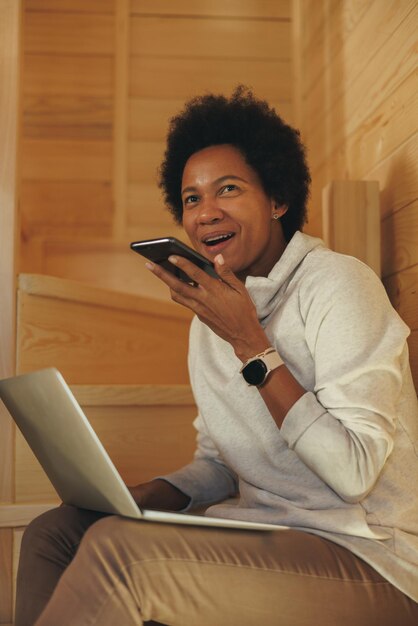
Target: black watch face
[[255, 372]]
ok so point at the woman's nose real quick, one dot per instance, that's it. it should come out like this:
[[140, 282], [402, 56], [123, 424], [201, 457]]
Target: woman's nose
[[210, 212]]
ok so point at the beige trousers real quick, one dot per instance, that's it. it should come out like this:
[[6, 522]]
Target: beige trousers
[[79, 568]]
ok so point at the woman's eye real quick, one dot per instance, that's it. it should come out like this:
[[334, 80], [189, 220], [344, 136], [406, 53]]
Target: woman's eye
[[190, 199], [227, 188]]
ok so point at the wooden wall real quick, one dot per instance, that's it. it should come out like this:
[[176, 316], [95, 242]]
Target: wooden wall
[[101, 78], [356, 103], [9, 106]]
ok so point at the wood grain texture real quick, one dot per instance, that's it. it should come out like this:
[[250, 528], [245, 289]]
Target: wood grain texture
[[219, 38], [351, 220], [76, 208], [94, 336], [53, 33], [400, 240], [181, 78], [6, 575], [75, 76], [66, 160], [70, 6], [402, 289], [262, 9]]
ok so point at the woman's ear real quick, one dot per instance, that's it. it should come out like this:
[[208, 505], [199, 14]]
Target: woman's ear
[[278, 211]]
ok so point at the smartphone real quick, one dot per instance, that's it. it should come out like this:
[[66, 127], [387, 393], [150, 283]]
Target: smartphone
[[158, 251]]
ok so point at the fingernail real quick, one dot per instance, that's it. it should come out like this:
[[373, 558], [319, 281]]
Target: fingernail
[[149, 266], [173, 259], [219, 258]]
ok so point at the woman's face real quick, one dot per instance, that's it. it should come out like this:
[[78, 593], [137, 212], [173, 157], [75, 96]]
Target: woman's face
[[225, 210]]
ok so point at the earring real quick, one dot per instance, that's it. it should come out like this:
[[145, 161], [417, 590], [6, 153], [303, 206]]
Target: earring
[[276, 216]]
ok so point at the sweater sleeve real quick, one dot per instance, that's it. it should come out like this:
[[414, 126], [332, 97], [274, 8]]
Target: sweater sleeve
[[342, 430]]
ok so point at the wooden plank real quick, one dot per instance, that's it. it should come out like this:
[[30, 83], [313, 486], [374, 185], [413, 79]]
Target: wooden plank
[[16, 515], [396, 176], [183, 37], [413, 356], [93, 336], [71, 75], [70, 6], [400, 240], [143, 441], [17, 540], [360, 144], [272, 9], [10, 17], [6, 575], [351, 220], [78, 208], [67, 117], [69, 33], [65, 159], [121, 117], [327, 26], [144, 159], [71, 291], [174, 78], [133, 395], [402, 289], [106, 264], [391, 57], [145, 207]]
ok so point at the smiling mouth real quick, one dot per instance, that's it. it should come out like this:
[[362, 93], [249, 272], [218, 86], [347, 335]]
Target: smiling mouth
[[216, 239]]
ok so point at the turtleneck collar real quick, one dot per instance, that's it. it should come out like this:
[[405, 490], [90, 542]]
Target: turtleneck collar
[[265, 290]]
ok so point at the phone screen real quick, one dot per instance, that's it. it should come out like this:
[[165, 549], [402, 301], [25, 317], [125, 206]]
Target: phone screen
[[158, 251]]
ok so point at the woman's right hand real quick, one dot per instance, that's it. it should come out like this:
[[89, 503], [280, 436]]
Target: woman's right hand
[[159, 494]]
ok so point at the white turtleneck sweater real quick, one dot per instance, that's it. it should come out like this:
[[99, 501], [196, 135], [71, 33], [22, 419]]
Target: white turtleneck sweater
[[344, 464]]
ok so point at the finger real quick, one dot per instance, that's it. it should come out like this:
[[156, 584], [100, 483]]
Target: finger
[[193, 271], [168, 278], [226, 274]]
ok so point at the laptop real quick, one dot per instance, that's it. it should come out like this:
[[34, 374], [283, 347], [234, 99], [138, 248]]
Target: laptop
[[73, 457]]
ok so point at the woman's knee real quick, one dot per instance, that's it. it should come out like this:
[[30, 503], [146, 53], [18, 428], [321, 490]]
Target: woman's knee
[[65, 525]]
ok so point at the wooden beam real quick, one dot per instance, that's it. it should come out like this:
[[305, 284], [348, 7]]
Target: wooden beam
[[351, 219]]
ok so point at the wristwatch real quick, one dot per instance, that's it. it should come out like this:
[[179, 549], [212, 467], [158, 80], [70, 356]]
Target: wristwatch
[[256, 370]]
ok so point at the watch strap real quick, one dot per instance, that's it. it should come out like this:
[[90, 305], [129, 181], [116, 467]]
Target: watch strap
[[271, 360]]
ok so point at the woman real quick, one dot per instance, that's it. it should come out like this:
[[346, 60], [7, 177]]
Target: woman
[[307, 412]]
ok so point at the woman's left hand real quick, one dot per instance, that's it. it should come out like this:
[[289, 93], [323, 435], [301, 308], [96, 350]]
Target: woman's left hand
[[222, 304]]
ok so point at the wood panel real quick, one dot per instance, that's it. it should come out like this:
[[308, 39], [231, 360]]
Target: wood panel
[[95, 336], [400, 240], [402, 289], [279, 9], [76, 207], [351, 220], [60, 117], [65, 160], [74, 76], [147, 432], [348, 72], [162, 78], [6, 574], [152, 36], [357, 141], [70, 6], [10, 17], [69, 33], [105, 264]]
